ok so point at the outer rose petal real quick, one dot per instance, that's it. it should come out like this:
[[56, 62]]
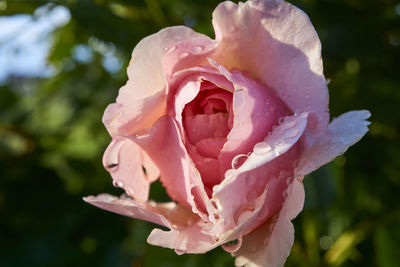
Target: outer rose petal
[[275, 42], [191, 239], [270, 244], [125, 161], [142, 100], [166, 214], [343, 132]]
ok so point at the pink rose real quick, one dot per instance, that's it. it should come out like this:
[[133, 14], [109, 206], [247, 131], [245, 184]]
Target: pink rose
[[230, 126]]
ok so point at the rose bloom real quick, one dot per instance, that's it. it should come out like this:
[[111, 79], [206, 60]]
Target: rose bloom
[[230, 126]]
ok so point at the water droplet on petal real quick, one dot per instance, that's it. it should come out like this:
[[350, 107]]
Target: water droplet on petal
[[261, 148], [184, 54], [130, 192], [111, 156], [179, 251], [198, 49], [279, 143], [292, 133], [118, 184], [291, 124], [235, 160], [242, 214], [170, 49], [233, 245]]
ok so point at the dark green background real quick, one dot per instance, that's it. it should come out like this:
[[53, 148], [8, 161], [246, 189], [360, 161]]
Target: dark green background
[[52, 140]]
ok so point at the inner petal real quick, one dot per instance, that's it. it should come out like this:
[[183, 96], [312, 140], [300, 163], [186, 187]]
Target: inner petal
[[207, 122]]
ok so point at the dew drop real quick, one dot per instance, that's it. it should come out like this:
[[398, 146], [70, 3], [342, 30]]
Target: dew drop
[[198, 49], [111, 156], [235, 160], [261, 148], [130, 192], [184, 54], [242, 214], [170, 49], [279, 143], [291, 124], [292, 133], [233, 245], [179, 251]]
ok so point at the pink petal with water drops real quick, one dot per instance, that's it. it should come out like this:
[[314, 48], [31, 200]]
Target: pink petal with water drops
[[141, 101], [270, 244], [187, 54], [343, 132], [275, 42], [126, 162], [255, 110], [145, 71], [277, 152]]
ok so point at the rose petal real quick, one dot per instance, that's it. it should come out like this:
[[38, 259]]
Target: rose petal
[[275, 42], [210, 147], [168, 214], [343, 132], [191, 239], [178, 173], [125, 161], [255, 110], [189, 83], [142, 100], [270, 244], [275, 154], [204, 126], [145, 70], [134, 116]]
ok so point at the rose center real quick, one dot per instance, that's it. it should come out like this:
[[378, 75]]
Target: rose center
[[207, 121]]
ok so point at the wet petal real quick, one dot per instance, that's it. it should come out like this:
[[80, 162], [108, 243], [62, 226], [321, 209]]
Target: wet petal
[[284, 52], [192, 239], [142, 100], [125, 162], [343, 132], [255, 110], [270, 244], [276, 154]]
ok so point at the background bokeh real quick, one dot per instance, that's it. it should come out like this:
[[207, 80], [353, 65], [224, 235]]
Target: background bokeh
[[62, 62]]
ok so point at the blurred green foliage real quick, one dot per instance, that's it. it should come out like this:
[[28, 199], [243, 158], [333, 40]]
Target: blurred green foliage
[[52, 140]]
